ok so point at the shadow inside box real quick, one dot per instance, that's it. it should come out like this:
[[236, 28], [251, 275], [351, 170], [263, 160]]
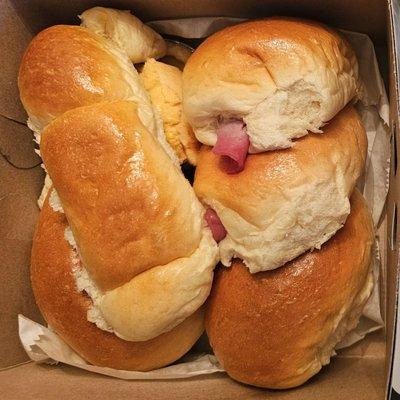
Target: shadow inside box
[[394, 395]]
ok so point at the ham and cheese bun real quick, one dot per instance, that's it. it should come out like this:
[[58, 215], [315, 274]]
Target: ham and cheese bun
[[285, 202], [258, 85]]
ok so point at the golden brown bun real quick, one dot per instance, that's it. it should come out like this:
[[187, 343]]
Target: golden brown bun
[[65, 309], [276, 329], [65, 67], [125, 201], [136, 221], [282, 76], [285, 202]]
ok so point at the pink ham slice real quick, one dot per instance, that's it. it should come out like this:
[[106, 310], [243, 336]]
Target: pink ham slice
[[232, 145], [215, 224]]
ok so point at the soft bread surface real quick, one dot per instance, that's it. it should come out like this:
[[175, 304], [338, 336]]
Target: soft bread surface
[[163, 82], [65, 67], [144, 247], [276, 329], [65, 309], [285, 202], [138, 40], [160, 298], [128, 206], [137, 223], [283, 77]]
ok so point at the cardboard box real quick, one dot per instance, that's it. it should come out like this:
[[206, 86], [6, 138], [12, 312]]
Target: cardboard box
[[363, 371]]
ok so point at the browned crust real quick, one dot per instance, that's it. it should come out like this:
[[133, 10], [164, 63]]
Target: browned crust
[[269, 175], [129, 207], [66, 67], [268, 327], [65, 309], [240, 53]]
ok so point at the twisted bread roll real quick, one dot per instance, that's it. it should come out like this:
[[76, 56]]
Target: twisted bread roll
[[147, 257], [282, 77], [65, 67], [276, 329], [136, 221], [54, 267], [123, 198], [285, 202], [138, 40]]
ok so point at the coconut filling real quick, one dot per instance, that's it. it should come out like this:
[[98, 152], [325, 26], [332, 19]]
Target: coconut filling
[[192, 274]]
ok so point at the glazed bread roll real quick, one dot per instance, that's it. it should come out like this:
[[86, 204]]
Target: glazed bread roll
[[163, 82], [138, 40], [276, 329], [280, 77], [285, 202], [65, 67], [137, 224], [55, 266], [147, 258]]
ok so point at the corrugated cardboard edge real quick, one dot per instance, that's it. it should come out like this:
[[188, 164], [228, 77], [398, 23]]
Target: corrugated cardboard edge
[[393, 203]]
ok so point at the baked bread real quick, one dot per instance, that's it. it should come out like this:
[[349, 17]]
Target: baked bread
[[285, 202], [147, 257], [123, 259], [281, 77], [55, 266], [138, 226], [276, 329], [65, 67], [138, 40], [163, 82]]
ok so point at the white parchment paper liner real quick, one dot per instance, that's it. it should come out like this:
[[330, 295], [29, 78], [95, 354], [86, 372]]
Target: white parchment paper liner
[[44, 345]]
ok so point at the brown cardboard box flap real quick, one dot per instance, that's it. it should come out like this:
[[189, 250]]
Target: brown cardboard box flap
[[21, 178], [357, 373], [16, 37], [358, 15]]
